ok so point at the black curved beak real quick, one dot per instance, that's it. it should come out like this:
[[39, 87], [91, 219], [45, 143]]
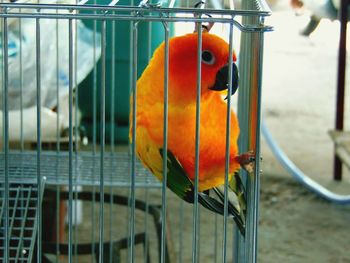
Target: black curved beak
[[222, 81]]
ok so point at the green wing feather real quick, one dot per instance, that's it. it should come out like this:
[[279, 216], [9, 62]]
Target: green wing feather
[[177, 180], [182, 186]]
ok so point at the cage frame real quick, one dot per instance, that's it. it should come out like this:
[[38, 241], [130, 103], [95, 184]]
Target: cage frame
[[252, 28]]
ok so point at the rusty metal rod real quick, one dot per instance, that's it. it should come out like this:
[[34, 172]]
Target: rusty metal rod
[[339, 118]]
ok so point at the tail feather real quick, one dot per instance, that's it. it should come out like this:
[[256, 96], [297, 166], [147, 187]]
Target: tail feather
[[233, 207], [218, 206], [210, 203]]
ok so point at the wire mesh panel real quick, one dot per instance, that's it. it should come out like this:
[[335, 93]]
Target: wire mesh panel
[[22, 221], [75, 113], [23, 168]]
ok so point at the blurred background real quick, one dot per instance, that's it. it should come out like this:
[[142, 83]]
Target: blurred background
[[299, 108]]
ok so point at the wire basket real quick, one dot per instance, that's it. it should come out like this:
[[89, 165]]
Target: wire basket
[[96, 185]]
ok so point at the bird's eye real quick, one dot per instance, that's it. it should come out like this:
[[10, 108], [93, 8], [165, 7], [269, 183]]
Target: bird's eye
[[208, 57]]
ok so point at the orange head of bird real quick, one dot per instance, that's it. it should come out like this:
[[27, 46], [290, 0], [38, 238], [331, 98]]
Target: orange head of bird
[[183, 60]]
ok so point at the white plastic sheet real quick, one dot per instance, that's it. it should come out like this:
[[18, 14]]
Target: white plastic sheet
[[54, 71]]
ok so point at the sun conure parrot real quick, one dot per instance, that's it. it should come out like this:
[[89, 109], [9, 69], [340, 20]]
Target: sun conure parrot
[[182, 89]]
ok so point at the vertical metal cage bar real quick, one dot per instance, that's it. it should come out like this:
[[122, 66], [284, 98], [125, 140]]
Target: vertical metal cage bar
[[20, 46], [76, 130], [147, 190], [58, 111], [146, 246], [199, 234], [255, 179], [216, 234], [94, 134], [76, 86], [6, 137], [70, 159], [102, 135], [132, 88], [181, 226], [38, 105], [195, 238], [112, 87], [94, 90], [133, 145], [57, 86], [240, 251], [165, 142], [250, 101], [227, 150], [21, 83]]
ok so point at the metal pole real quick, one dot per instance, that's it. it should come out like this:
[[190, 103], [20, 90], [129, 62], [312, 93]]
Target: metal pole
[[165, 142], [195, 239], [227, 150], [76, 131], [102, 135], [6, 138], [112, 130], [23, 213], [58, 109], [131, 254], [94, 133], [339, 118], [147, 190], [70, 160], [181, 226], [21, 82], [249, 113], [38, 105]]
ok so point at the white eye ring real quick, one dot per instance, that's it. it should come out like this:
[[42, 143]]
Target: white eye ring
[[208, 57]]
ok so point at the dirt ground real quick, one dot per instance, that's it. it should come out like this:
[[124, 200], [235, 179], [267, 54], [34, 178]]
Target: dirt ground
[[296, 226]]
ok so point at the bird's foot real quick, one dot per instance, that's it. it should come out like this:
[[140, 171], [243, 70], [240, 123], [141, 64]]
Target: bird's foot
[[247, 161]]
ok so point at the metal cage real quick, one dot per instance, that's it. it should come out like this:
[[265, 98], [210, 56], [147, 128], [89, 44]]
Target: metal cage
[[75, 193]]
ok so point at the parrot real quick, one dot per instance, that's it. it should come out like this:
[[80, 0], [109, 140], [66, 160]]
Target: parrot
[[182, 90]]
